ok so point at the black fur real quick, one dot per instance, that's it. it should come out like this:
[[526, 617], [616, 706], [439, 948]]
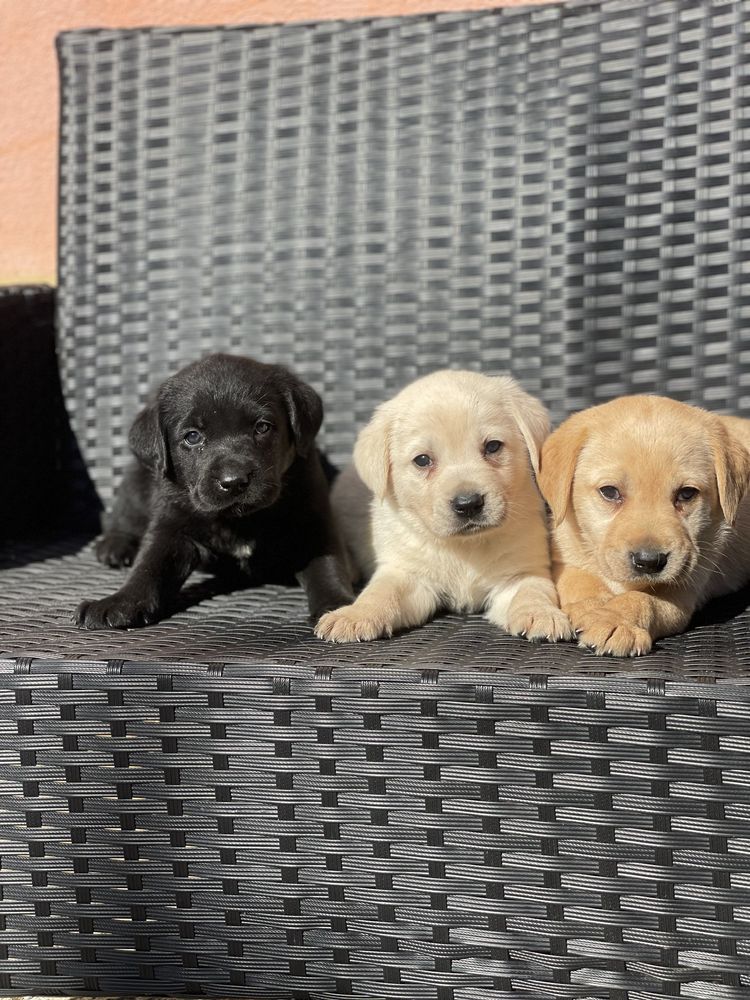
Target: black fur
[[247, 497]]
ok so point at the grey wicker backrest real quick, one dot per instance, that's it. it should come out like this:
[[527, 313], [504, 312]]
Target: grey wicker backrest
[[559, 191]]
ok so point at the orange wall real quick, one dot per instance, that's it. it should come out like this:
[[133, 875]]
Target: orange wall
[[28, 85]]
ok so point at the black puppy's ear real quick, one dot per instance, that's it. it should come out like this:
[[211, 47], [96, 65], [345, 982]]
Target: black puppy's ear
[[305, 410], [148, 440]]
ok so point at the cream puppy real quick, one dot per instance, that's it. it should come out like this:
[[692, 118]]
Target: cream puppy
[[441, 511], [650, 521]]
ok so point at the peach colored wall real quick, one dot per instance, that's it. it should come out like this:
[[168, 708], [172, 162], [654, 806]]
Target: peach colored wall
[[28, 85]]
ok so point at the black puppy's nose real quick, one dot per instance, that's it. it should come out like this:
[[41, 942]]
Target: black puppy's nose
[[467, 504], [233, 482], [648, 560]]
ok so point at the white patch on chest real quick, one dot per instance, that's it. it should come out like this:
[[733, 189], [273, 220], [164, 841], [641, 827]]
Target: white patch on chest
[[244, 551]]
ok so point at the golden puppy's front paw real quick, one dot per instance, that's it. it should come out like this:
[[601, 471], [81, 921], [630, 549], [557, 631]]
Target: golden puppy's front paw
[[606, 634], [546, 623], [352, 624], [579, 611]]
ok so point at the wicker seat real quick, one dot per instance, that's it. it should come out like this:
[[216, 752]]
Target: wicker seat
[[221, 803]]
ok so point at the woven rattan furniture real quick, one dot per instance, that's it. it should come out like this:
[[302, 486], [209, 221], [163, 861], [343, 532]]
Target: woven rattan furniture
[[221, 803]]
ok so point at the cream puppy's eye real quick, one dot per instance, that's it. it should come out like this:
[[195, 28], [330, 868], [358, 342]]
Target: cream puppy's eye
[[610, 493], [492, 447], [685, 494], [193, 438], [423, 461]]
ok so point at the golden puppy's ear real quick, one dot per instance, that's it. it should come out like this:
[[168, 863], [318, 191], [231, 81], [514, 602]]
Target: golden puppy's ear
[[372, 452], [732, 464], [558, 466], [531, 417]]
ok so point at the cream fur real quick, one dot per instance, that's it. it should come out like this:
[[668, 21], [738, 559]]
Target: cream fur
[[402, 533]]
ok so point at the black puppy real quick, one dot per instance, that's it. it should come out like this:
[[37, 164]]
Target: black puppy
[[227, 478]]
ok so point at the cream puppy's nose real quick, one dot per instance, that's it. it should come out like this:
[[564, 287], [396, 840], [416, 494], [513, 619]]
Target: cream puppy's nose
[[468, 504]]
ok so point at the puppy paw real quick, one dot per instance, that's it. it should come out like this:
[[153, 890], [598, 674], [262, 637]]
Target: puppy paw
[[117, 611], [545, 623], [608, 635], [579, 611], [352, 624], [116, 549]]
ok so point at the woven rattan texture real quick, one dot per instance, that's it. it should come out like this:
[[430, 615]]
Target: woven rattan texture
[[42, 585], [222, 803], [416, 834], [559, 191]]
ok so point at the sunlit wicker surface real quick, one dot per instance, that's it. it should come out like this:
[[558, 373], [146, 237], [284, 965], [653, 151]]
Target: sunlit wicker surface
[[223, 804], [43, 584]]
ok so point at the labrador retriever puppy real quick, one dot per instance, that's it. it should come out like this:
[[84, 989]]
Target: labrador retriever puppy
[[441, 510], [649, 518], [227, 478]]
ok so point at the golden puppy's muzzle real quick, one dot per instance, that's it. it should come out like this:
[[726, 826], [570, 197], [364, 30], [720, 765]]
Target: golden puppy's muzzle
[[648, 560]]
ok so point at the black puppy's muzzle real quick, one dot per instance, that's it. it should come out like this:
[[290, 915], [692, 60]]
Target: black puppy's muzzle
[[233, 476], [237, 483], [233, 482]]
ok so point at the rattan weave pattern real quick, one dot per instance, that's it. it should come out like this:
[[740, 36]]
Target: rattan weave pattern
[[42, 586], [221, 803], [450, 814], [430, 835], [435, 834], [558, 191]]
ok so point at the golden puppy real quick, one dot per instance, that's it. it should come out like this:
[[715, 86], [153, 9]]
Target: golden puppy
[[442, 510], [644, 493]]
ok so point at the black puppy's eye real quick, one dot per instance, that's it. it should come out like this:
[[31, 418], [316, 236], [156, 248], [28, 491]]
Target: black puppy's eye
[[686, 494], [262, 427], [423, 461], [610, 493], [193, 438], [492, 447]]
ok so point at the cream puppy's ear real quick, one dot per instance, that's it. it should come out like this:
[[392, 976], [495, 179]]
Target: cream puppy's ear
[[372, 452], [529, 414], [557, 467], [732, 464]]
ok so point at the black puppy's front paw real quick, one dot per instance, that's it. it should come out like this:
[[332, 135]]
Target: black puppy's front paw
[[116, 549], [120, 610]]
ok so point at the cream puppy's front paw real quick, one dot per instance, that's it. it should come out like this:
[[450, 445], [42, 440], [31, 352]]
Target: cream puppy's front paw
[[607, 634], [546, 623], [352, 624], [530, 609]]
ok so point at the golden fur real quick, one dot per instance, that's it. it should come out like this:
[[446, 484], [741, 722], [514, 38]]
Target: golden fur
[[655, 453], [403, 532]]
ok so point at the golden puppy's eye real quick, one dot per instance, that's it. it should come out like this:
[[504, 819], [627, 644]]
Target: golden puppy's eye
[[262, 427], [492, 447], [610, 493], [423, 461], [685, 494]]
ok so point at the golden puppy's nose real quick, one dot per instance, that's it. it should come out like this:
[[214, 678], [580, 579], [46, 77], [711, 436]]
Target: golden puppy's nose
[[468, 504], [648, 560]]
